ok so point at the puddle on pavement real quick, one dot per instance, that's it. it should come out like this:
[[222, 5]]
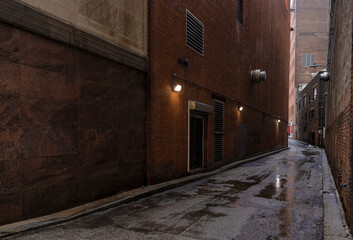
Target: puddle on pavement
[[227, 196], [274, 187], [204, 212], [259, 178], [268, 192], [302, 173], [239, 186], [283, 196], [284, 216], [236, 186], [206, 191], [309, 153]]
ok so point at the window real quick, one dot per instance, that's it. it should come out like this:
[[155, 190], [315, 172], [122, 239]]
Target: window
[[308, 60], [314, 93], [313, 114], [300, 104], [218, 130], [194, 33], [305, 101], [306, 116], [240, 11]]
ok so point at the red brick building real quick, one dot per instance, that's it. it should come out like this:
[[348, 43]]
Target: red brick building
[[232, 38], [292, 86], [84, 116], [311, 41], [311, 112], [339, 110]]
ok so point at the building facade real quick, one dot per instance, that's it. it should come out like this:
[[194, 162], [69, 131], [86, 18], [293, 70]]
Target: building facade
[[292, 87], [311, 112], [91, 100], [312, 17], [201, 126], [339, 102], [311, 30]]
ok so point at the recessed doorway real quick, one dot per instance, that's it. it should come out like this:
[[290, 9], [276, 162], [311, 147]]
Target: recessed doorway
[[196, 157]]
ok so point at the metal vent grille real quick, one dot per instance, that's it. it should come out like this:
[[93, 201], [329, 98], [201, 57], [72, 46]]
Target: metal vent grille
[[308, 60], [194, 33], [218, 131]]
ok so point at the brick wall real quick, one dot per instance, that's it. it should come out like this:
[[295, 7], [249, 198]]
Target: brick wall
[[339, 103], [72, 126], [311, 35], [232, 50], [309, 124], [292, 88]]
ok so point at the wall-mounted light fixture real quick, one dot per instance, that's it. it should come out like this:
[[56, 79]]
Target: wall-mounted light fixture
[[240, 108], [184, 62], [278, 120], [258, 76], [325, 76], [176, 87]]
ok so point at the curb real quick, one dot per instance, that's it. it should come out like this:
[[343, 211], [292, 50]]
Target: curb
[[116, 200], [335, 225]]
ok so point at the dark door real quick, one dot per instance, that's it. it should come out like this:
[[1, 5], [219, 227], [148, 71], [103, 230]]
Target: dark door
[[313, 138], [196, 141]]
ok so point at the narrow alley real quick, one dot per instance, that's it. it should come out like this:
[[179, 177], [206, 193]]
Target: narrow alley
[[276, 197]]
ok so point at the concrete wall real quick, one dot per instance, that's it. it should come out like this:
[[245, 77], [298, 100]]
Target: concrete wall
[[72, 126], [122, 22], [339, 102], [232, 50]]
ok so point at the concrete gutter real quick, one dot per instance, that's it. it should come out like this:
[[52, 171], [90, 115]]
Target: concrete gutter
[[335, 225], [114, 201]]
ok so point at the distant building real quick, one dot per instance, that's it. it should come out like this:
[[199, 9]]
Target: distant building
[[311, 112], [311, 41], [339, 108]]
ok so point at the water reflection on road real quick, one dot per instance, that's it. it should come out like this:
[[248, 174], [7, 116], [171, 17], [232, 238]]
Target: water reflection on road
[[277, 197]]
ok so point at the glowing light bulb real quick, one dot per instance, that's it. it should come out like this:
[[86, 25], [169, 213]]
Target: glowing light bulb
[[177, 88]]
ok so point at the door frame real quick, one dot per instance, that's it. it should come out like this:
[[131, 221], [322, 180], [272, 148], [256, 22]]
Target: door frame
[[204, 116]]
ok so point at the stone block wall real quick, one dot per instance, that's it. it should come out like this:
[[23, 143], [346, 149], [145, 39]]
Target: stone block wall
[[122, 22], [72, 126]]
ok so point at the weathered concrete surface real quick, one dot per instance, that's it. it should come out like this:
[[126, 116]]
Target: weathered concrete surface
[[335, 226], [277, 197]]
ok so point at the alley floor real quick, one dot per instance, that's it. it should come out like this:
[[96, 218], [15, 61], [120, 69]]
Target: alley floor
[[276, 197]]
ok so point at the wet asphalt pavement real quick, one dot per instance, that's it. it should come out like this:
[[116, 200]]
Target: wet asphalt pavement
[[277, 197]]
